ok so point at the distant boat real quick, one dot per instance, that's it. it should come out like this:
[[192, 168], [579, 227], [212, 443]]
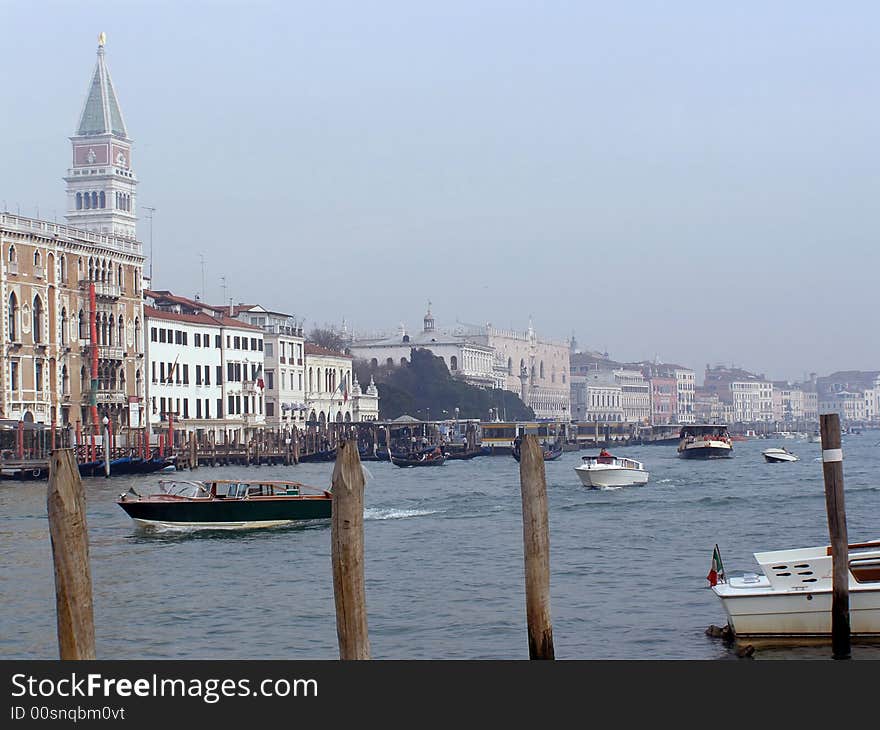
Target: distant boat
[[611, 471], [774, 456], [126, 465], [705, 441], [551, 453], [429, 459]]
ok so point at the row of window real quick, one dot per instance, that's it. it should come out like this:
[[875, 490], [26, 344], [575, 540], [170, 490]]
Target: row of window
[[98, 200], [181, 337], [201, 408], [99, 269]]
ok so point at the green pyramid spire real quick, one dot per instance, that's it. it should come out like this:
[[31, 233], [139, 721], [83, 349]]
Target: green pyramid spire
[[101, 113]]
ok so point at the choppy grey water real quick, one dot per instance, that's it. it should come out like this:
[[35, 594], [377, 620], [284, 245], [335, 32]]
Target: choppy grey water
[[444, 562]]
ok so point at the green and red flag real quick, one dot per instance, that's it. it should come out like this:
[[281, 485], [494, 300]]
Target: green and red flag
[[716, 571]]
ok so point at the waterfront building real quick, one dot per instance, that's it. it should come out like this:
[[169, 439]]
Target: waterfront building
[[681, 402], [749, 395], [787, 402], [465, 359], [228, 354], [535, 368], [635, 395], [329, 385], [664, 398], [72, 293], [284, 363]]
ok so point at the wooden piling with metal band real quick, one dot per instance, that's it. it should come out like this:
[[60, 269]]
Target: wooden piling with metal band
[[68, 532], [536, 548], [832, 470], [347, 553]]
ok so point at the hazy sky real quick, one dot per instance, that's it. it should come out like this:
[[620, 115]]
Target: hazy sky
[[688, 180]]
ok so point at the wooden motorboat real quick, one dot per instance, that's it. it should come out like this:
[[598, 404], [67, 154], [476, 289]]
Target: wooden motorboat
[[227, 504]]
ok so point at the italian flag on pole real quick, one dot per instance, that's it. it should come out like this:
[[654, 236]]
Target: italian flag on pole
[[716, 571]]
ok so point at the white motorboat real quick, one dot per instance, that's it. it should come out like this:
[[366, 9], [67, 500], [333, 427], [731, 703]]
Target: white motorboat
[[793, 596], [778, 455], [605, 470], [705, 441]]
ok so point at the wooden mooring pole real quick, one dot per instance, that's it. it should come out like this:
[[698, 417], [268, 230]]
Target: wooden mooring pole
[[832, 470], [536, 548], [66, 505], [347, 553]]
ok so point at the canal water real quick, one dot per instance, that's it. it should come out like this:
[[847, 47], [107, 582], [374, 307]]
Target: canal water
[[444, 561]]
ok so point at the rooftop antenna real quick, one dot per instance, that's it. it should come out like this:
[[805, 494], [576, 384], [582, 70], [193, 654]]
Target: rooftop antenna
[[152, 210], [223, 285], [202, 257]]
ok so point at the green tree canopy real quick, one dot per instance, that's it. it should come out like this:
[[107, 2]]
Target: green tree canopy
[[425, 389]]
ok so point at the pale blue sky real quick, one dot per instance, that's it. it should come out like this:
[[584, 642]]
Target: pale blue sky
[[681, 179]]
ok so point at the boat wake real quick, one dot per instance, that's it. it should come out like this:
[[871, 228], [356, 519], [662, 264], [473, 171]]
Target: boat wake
[[390, 513]]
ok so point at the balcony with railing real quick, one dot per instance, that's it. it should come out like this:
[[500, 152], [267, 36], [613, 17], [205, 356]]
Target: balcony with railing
[[105, 352], [103, 289], [105, 395]]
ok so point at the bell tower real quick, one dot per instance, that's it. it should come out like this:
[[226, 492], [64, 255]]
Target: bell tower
[[101, 184]]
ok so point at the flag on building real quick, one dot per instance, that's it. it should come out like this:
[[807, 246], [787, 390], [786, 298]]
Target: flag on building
[[716, 571]]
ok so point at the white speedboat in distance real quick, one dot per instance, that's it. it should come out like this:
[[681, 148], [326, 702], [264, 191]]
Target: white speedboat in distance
[[606, 470], [779, 455], [793, 596]]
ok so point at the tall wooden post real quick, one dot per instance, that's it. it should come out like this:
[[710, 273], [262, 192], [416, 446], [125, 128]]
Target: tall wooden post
[[536, 548], [193, 451], [832, 470], [295, 437], [347, 553], [66, 505]]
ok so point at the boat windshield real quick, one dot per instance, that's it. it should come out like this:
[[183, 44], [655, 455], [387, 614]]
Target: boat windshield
[[184, 489]]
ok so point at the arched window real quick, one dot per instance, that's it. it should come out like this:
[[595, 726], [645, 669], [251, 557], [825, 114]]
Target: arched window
[[38, 259], [120, 332], [82, 325], [63, 266], [137, 334], [65, 380], [109, 326], [79, 201], [453, 363], [402, 361], [542, 369], [87, 199], [120, 279], [510, 366], [91, 269], [94, 199], [63, 325], [103, 270], [102, 200], [38, 319], [12, 254], [13, 318], [311, 384], [390, 362], [374, 363]]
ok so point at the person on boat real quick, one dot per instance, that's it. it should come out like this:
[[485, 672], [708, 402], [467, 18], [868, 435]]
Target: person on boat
[[604, 456]]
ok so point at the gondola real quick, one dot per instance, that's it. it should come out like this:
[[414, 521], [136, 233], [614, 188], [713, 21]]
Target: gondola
[[431, 459], [126, 465], [551, 453]]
